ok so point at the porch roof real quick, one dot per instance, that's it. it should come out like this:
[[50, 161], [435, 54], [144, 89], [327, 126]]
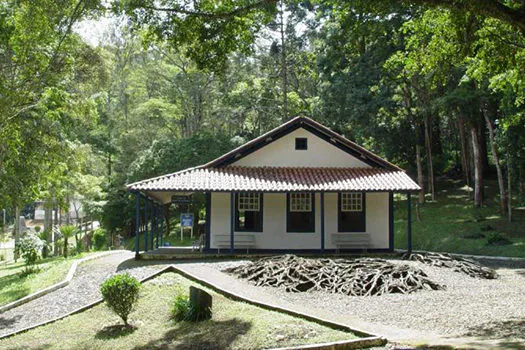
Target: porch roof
[[278, 179]]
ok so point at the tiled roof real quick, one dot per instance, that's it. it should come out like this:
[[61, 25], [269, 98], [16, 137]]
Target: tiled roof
[[279, 179]]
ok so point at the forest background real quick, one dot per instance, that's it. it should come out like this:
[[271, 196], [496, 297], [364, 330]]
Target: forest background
[[436, 87]]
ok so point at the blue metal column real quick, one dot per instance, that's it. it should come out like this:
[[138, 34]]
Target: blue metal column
[[158, 226], [162, 225], [208, 220], [152, 237], [137, 224], [322, 221], [232, 221], [409, 224], [146, 225]]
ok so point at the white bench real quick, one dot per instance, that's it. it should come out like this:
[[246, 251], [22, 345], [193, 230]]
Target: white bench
[[351, 240], [239, 241]]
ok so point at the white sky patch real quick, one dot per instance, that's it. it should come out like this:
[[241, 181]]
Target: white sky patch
[[94, 31]]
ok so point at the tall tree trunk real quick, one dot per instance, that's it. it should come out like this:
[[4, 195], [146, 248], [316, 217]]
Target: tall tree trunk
[[495, 158], [478, 166], [484, 152], [465, 161], [17, 229], [509, 192], [284, 68], [430, 164], [420, 178]]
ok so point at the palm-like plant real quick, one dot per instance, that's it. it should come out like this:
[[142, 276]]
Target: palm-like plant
[[67, 231]]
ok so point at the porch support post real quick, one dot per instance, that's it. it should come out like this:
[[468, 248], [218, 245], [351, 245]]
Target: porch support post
[[137, 223], [157, 225], [208, 220], [322, 222], [161, 217], [391, 221], [152, 236], [409, 224], [232, 221], [146, 224]]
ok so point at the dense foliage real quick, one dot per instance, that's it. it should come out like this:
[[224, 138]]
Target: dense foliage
[[434, 86]]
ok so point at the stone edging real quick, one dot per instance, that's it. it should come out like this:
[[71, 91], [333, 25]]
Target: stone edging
[[369, 340], [54, 287]]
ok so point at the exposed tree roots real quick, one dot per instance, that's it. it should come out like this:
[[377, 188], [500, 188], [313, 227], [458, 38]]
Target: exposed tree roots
[[357, 277], [457, 264]]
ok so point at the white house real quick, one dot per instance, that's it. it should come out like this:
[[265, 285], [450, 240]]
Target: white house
[[300, 187]]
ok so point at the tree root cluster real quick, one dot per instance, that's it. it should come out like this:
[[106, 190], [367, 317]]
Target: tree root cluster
[[457, 264], [356, 277]]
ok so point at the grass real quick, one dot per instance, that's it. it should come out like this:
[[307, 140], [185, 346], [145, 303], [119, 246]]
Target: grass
[[451, 223], [15, 284], [234, 325]]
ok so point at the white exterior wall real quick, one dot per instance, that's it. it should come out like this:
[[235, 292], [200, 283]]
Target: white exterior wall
[[274, 235], [282, 153]]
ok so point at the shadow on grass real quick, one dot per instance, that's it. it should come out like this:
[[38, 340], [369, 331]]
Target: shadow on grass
[[12, 287], [204, 335], [115, 331]]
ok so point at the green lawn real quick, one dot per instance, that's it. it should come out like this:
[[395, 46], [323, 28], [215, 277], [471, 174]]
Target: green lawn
[[14, 284], [446, 223], [234, 325]]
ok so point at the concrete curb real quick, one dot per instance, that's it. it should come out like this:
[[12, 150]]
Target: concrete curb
[[56, 286], [369, 340]]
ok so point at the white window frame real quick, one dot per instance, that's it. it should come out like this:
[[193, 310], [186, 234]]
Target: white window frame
[[352, 202], [301, 202], [248, 201]]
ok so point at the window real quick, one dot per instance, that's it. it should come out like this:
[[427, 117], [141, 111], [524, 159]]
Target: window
[[248, 212], [300, 212], [352, 213], [301, 143]]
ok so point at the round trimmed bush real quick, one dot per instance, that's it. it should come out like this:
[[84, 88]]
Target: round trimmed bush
[[121, 292]]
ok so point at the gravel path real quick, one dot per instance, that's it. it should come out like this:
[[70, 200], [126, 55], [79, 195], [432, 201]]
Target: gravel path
[[470, 311], [83, 290]]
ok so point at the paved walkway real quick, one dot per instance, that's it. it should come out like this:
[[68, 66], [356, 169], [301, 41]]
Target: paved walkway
[[83, 290]]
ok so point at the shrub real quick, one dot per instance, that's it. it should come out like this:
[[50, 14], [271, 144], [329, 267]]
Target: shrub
[[121, 292], [28, 248], [43, 236], [497, 238], [67, 232], [37, 229], [184, 309], [99, 238], [180, 307]]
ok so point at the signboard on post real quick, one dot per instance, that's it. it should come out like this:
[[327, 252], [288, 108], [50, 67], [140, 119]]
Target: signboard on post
[[186, 220], [180, 199]]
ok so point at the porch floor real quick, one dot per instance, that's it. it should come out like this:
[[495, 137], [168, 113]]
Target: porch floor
[[188, 253]]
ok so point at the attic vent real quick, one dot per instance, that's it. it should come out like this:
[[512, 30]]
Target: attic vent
[[301, 143]]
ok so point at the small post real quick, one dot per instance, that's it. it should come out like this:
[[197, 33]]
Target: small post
[[409, 224], [322, 221], [137, 224], [232, 221], [146, 225]]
